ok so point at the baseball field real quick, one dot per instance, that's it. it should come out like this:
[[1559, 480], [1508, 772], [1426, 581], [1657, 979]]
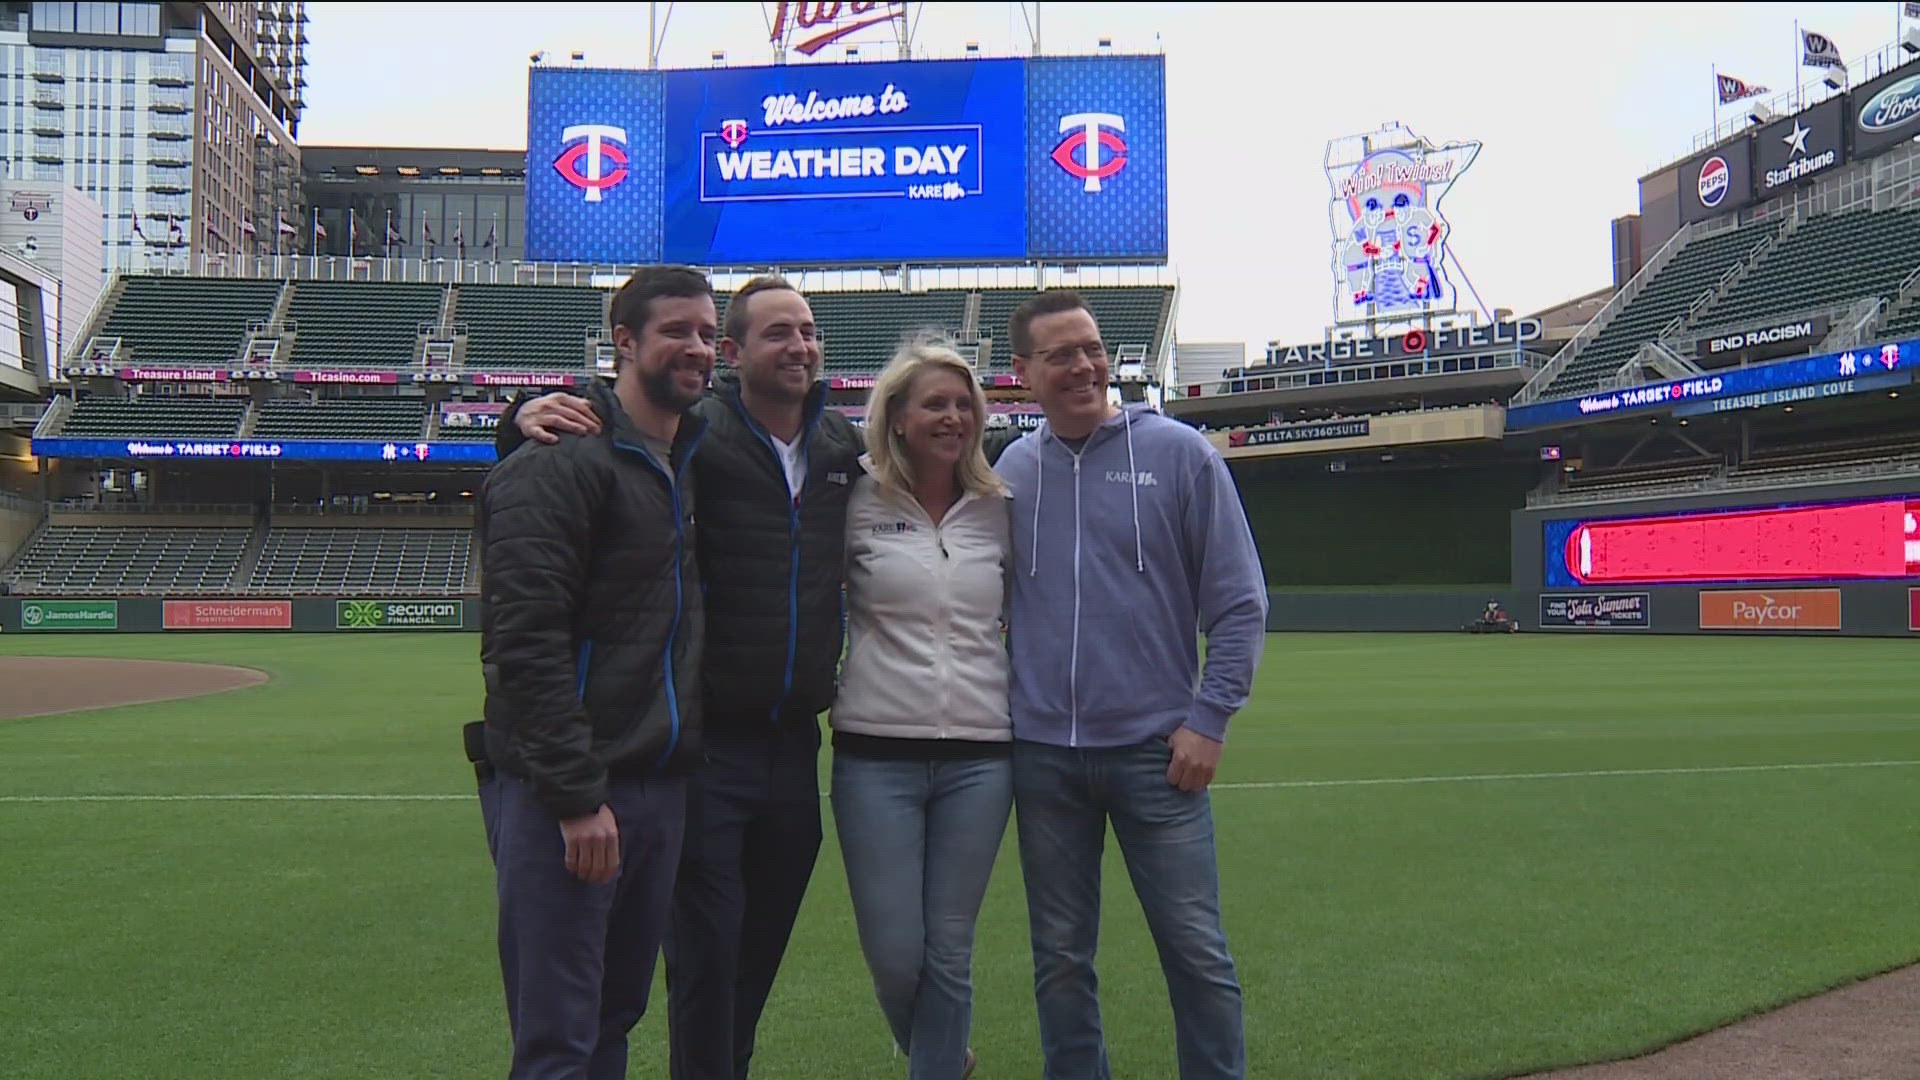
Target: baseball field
[[1442, 856]]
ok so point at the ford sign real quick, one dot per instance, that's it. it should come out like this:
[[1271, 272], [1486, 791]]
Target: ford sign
[[1892, 106], [1715, 181]]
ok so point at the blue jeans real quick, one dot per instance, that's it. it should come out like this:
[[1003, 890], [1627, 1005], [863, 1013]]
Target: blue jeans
[[918, 839], [1065, 798]]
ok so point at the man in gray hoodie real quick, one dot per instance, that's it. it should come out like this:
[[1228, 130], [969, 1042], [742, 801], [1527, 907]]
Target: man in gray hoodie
[[1128, 537]]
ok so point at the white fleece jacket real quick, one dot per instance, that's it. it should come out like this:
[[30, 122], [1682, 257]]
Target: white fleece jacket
[[925, 659]]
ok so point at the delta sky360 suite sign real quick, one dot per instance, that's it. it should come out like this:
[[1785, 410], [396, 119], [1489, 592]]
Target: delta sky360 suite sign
[[1053, 157]]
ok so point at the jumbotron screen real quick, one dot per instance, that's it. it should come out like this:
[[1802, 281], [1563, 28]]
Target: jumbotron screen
[[937, 160], [1829, 541]]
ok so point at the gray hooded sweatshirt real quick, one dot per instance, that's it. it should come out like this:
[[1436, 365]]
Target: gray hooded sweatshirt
[[1123, 551]]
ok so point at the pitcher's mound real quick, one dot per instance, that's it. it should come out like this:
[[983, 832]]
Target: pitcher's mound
[[37, 685]]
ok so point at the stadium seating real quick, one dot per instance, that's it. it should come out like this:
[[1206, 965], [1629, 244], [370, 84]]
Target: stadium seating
[[190, 321], [363, 561], [69, 559], [859, 331], [155, 418], [1904, 322], [1690, 273], [348, 418], [1128, 315], [360, 324], [527, 326], [1830, 259]]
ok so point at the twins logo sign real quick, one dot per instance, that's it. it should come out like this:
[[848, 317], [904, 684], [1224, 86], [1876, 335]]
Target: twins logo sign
[[585, 164], [1389, 238], [1081, 152]]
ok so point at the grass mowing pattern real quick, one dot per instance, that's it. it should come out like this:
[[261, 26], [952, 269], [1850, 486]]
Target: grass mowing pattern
[[1390, 931]]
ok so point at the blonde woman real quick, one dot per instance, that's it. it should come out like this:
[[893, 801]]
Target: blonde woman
[[922, 774]]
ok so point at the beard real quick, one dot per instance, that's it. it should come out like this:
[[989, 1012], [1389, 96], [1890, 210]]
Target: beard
[[662, 391]]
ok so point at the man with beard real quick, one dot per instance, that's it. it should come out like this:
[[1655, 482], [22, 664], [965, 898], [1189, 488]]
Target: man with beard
[[591, 653], [774, 475]]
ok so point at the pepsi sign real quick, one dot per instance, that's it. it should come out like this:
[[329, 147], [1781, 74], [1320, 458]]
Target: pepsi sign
[[1717, 181], [849, 163], [1886, 111]]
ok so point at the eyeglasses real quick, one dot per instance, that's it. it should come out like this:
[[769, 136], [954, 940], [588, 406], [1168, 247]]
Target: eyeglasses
[[1062, 355]]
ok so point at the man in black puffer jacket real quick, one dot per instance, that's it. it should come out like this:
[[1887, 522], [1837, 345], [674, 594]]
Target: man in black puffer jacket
[[591, 651], [774, 473]]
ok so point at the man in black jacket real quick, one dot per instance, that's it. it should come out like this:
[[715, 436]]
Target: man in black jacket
[[774, 474], [591, 650]]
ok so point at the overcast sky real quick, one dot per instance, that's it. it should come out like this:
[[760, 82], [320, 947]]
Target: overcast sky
[[1573, 102]]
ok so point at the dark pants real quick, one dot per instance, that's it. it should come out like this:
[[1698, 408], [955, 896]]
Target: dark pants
[[753, 830], [578, 958]]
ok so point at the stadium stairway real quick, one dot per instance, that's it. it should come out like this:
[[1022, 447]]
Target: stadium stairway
[[345, 324], [538, 327], [188, 321], [1695, 269], [1831, 259]]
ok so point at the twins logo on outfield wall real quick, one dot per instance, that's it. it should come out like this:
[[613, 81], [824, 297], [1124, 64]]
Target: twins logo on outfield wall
[[1389, 236]]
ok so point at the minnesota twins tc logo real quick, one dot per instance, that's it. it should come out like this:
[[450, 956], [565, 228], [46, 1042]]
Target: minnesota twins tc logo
[[583, 164], [733, 132], [1087, 134]]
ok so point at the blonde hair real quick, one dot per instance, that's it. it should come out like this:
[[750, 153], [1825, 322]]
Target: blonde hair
[[888, 399]]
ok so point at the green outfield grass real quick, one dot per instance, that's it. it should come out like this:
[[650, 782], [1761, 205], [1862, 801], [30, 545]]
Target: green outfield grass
[[1423, 926]]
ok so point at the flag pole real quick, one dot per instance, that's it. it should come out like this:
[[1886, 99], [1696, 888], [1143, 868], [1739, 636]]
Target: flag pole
[[1798, 41], [388, 238], [1716, 106]]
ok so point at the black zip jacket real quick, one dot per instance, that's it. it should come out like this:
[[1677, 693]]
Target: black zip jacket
[[592, 637], [773, 566]]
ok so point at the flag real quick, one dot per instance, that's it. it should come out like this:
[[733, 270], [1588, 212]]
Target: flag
[[1819, 51], [1732, 90], [393, 235], [1912, 9], [492, 239], [175, 234], [136, 228], [426, 232], [246, 226], [286, 229], [460, 235], [319, 230]]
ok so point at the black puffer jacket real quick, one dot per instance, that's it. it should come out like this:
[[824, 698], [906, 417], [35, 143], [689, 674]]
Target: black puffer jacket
[[773, 567], [592, 638]]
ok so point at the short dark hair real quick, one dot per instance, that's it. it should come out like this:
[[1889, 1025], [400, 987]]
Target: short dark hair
[[736, 321], [1045, 302], [633, 303]]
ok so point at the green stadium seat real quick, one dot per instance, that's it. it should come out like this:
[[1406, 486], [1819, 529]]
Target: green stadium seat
[[88, 559], [360, 324], [187, 321], [155, 418], [347, 418]]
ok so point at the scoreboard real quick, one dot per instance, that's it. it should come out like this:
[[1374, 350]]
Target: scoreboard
[[822, 164]]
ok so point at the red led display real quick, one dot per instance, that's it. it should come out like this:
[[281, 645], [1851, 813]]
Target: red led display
[[1878, 539]]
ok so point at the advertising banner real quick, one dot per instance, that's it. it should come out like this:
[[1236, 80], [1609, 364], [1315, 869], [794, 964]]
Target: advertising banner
[[227, 615], [1770, 609], [157, 374], [399, 614], [49, 615], [1885, 111], [1901, 356], [1764, 343], [1594, 610], [1389, 233], [1717, 181], [1096, 138], [1811, 142], [353, 378], [265, 450], [1293, 433], [523, 378]]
